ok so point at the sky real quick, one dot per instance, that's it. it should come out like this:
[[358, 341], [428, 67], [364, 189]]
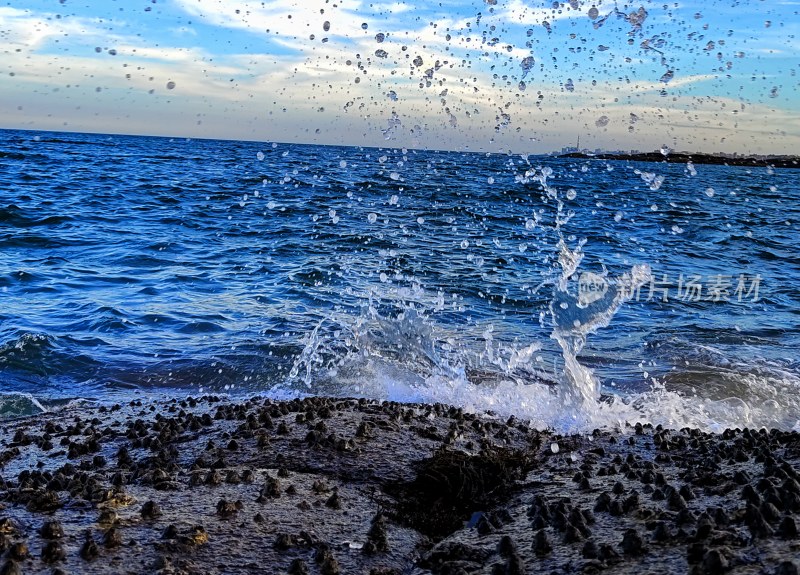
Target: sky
[[523, 76]]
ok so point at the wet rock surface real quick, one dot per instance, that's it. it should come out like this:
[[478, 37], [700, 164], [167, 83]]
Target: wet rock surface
[[321, 485]]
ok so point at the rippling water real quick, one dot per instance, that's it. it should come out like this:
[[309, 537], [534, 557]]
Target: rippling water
[[150, 265]]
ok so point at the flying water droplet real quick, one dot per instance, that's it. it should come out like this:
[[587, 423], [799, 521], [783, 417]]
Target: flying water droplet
[[527, 65]]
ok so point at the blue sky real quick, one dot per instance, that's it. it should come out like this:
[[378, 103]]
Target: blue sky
[[520, 75]]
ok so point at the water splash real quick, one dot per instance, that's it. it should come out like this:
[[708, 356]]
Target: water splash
[[19, 404], [575, 315]]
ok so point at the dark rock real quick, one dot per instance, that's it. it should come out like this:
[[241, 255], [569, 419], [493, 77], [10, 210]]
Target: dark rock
[[53, 552], [788, 528], [298, 567], [541, 544], [572, 534], [632, 543], [506, 547], [89, 550], [51, 530], [590, 550], [334, 501], [150, 510], [661, 533], [770, 512], [607, 554], [18, 551], [284, 541], [112, 538], [787, 568], [603, 502], [715, 562], [227, 508]]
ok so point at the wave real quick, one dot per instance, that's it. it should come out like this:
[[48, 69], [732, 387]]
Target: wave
[[19, 405], [15, 216]]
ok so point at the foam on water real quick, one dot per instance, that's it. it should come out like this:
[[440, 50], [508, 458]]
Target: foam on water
[[407, 356], [19, 404]]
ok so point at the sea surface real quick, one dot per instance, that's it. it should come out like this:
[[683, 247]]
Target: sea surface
[[574, 293]]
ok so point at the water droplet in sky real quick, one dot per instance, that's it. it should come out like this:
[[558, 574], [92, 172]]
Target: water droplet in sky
[[380, 37], [601, 122], [170, 85], [527, 65]]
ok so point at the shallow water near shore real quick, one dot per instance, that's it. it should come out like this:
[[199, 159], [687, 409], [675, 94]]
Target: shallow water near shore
[[532, 286]]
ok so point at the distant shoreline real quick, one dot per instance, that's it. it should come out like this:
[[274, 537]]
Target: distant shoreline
[[681, 158]]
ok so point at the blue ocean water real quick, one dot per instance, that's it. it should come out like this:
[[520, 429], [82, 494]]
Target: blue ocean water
[[138, 265]]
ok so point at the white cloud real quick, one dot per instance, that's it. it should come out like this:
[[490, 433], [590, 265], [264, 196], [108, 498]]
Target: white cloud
[[29, 30], [287, 17], [266, 96], [518, 12]]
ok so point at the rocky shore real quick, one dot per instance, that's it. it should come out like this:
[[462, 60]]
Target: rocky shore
[[683, 158], [209, 485]]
